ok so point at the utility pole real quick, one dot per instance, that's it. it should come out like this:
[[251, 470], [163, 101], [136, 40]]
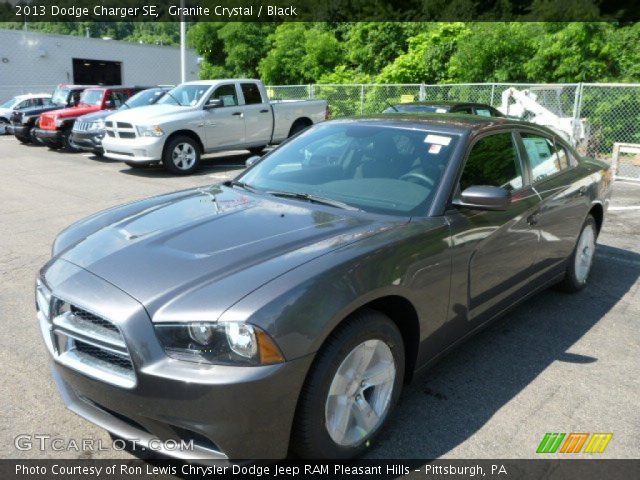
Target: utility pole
[[183, 47]]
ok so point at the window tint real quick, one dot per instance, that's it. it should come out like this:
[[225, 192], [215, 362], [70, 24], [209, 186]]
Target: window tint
[[463, 110], [251, 93], [493, 160], [544, 159], [226, 93]]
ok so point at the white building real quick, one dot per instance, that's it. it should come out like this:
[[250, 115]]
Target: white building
[[37, 62]]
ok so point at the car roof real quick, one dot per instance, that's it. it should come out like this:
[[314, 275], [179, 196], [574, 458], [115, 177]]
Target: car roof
[[444, 103], [26, 96], [451, 122]]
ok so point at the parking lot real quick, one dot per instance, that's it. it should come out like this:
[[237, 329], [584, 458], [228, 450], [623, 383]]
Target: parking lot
[[558, 363]]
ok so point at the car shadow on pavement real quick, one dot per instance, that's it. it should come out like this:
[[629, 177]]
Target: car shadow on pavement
[[208, 165], [447, 404]]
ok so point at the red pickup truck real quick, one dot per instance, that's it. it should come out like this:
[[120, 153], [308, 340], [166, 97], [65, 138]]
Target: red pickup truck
[[55, 127]]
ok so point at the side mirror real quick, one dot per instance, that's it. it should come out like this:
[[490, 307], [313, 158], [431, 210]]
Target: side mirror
[[484, 197], [213, 103], [251, 161]]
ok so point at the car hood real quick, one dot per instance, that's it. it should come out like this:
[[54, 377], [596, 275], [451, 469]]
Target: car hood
[[72, 112], [38, 110], [213, 242], [6, 111], [95, 116], [147, 114]]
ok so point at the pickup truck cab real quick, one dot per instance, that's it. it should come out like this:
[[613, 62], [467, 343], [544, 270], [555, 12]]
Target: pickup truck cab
[[206, 116], [55, 127], [24, 120]]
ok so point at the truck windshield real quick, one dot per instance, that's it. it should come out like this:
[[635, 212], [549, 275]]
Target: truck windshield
[[60, 96], [91, 97], [377, 168], [185, 95], [145, 97]]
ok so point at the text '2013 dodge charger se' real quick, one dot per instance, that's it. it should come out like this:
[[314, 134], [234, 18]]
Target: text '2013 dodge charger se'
[[283, 310]]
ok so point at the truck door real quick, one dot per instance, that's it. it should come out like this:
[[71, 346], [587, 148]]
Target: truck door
[[224, 125], [258, 117]]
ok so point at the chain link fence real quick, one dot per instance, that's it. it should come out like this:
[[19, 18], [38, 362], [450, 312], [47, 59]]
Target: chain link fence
[[606, 113]]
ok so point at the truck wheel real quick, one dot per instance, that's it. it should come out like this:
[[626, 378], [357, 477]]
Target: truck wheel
[[351, 389], [66, 142], [181, 156], [25, 140]]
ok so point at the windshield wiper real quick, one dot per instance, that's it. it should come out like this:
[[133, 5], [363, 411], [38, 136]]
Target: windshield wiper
[[240, 184], [313, 199], [177, 101]]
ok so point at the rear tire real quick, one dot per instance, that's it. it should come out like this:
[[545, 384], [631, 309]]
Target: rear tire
[[181, 156], [25, 140], [581, 259], [67, 146], [351, 389]]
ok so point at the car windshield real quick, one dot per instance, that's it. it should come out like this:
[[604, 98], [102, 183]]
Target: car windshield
[[9, 103], [60, 96], [185, 95], [91, 97], [416, 108], [145, 97], [379, 169]]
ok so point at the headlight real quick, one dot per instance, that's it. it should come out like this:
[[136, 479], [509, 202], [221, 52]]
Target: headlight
[[149, 131], [224, 343]]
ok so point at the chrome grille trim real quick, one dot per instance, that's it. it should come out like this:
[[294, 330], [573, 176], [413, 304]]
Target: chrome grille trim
[[83, 341], [120, 130], [81, 126]]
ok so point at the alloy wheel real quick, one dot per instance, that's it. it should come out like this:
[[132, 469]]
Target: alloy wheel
[[184, 156]]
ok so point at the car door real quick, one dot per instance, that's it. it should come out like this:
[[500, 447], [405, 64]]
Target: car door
[[493, 251], [258, 117], [224, 125], [555, 176]]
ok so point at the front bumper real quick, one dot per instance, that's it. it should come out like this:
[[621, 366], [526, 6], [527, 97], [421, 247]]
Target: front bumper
[[49, 137], [228, 412], [89, 142], [135, 150]]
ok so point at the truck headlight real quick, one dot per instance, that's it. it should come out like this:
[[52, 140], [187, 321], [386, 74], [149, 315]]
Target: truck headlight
[[221, 343], [149, 131]]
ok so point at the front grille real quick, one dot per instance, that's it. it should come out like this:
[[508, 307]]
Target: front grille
[[120, 130], [84, 341], [81, 126]]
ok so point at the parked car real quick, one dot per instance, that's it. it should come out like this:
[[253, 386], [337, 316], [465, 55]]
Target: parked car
[[481, 109], [55, 127], [206, 116], [21, 101], [286, 308], [24, 121], [88, 131]]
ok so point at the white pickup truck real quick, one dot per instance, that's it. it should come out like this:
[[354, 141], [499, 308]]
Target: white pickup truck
[[202, 117]]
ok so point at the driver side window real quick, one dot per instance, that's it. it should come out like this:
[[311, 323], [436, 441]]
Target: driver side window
[[225, 93], [493, 161]]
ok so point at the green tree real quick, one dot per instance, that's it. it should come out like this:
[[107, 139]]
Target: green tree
[[245, 44]]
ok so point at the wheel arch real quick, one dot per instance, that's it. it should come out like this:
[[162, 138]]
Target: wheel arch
[[597, 212], [186, 133], [303, 122]]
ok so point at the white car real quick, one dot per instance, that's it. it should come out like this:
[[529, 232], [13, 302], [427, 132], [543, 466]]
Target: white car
[[206, 116], [21, 101]]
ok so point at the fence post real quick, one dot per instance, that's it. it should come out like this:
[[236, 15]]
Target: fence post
[[493, 91], [362, 99], [311, 91], [423, 92]]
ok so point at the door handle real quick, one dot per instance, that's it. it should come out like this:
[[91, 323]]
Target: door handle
[[239, 114], [264, 111]]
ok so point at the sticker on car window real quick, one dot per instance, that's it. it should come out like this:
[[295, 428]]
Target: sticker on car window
[[435, 148], [441, 110], [438, 139]]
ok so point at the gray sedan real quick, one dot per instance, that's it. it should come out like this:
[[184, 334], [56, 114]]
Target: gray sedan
[[284, 310]]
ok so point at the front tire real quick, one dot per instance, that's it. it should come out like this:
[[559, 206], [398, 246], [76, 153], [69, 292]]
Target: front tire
[[352, 387], [181, 156], [581, 259]]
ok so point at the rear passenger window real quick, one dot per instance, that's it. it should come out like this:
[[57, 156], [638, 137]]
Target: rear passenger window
[[251, 93], [544, 158], [483, 112], [493, 160]]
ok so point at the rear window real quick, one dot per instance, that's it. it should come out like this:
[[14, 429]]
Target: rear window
[[251, 93]]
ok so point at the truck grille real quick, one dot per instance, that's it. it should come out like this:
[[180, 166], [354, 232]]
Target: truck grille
[[120, 130], [84, 341]]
